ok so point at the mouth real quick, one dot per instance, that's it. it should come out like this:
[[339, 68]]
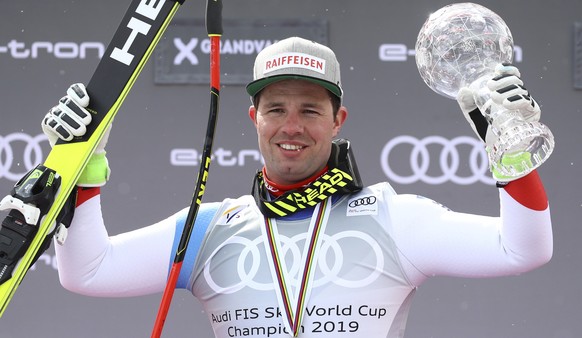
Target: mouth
[[291, 147]]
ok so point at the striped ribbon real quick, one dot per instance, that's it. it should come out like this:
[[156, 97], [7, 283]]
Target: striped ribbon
[[293, 304]]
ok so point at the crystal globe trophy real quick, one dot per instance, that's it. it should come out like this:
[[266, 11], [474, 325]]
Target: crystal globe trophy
[[459, 46]]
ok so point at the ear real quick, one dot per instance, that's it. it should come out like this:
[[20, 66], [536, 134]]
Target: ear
[[253, 114], [340, 119]]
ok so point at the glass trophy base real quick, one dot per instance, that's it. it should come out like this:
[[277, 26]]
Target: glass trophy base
[[520, 150]]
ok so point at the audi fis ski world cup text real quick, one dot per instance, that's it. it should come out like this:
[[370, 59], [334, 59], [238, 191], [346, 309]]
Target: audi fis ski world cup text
[[347, 319]]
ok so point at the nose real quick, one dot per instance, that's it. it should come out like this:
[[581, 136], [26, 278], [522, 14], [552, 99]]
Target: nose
[[293, 124]]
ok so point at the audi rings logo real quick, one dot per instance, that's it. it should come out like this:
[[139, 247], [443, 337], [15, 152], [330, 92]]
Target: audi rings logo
[[456, 163], [368, 200], [250, 267], [19, 152]]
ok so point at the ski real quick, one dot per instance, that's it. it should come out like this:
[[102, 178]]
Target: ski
[[134, 41]]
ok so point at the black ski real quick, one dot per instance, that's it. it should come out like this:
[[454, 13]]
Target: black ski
[[22, 238]]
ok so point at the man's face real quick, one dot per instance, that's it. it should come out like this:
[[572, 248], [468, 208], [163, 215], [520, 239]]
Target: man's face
[[295, 127]]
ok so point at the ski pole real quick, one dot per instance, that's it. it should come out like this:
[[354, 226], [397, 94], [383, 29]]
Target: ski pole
[[214, 30]]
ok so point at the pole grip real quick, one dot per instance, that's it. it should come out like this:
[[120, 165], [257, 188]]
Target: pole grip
[[214, 17]]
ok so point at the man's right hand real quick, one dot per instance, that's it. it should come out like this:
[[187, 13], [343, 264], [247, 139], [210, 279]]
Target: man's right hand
[[69, 119]]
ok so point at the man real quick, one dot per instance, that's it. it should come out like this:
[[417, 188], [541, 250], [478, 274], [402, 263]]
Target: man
[[311, 252]]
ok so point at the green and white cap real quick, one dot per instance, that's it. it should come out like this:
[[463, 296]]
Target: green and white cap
[[296, 58]]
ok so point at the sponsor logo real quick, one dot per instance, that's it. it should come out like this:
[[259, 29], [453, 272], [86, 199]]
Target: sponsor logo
[[148, 9], [19, 153], [362, 205], [448, 160], [299, 60], [181, 157], [233, 216], [399, 52], [249, 264], [362, 201], [182, 55], [60, 50], [186, 50]]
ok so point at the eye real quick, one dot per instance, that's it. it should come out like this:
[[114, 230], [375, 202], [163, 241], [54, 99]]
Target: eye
[[276, 111], [311, 112]]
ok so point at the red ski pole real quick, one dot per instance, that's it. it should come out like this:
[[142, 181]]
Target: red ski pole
[[214, 29]]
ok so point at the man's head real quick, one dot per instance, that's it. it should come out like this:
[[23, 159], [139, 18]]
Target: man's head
[[296, 108], [296, 58]]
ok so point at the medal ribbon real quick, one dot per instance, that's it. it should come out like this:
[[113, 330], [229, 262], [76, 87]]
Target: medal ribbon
[[293, 304]]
